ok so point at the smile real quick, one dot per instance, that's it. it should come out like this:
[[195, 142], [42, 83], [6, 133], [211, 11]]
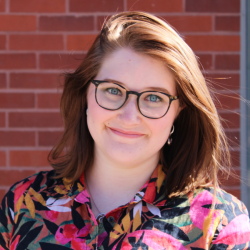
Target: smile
[[127, 134]]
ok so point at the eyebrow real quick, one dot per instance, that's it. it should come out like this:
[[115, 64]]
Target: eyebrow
[[150, 88]]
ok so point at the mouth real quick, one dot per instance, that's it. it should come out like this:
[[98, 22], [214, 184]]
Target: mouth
[[127, 134]]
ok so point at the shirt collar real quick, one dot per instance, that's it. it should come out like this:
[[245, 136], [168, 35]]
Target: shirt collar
[[60, 188], [151, 192]]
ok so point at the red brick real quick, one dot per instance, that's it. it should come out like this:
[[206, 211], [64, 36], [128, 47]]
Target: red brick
[[17, 138], [2, 6], [156, 5], [29, 158], [2, 158], [17, 100], [96, 5], [35, 80], [234, 192], [101, 20], [37, 6], [48, 138], [2, 119], [17, 23], [2, 80], [226, 101], [35, 119], [9, 177], [205, 60], [213, 43], [36, 42], [231, 180], [2, 42], [224, 81], [17, 61], [227, 23], [235, 158], [213, 6], [230, 120], [60, 61], [227, 62], [181, 23], [2, 191], [66, 23], [80, 42], [48, 100], [190, 23]]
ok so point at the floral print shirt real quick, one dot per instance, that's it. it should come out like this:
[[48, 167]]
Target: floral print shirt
[[43, 213]]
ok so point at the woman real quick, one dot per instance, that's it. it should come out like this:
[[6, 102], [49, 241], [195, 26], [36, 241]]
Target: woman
[[137, 165]]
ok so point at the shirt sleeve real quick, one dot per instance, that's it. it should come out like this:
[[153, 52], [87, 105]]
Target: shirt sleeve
[[233, 231], [6, 219]]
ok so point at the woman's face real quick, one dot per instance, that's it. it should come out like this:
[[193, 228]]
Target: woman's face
[[125, 136]]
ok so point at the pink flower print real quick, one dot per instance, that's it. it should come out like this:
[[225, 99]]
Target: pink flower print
[[205, 218], [79, 244], [101, 238], [198, 213], [154, 239], [236, 232], [68, 233], [71, 232], [52, 215], [84, 231], [82, 197]]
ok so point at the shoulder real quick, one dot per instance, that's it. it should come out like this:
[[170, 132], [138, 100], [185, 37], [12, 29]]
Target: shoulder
[[229, 204], [38, 181], [43, 181], [227, 224]]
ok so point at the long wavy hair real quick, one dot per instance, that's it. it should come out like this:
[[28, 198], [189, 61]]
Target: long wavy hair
[[199, 149]]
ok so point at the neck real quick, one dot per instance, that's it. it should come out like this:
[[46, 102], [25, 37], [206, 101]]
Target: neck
[[112, 184]]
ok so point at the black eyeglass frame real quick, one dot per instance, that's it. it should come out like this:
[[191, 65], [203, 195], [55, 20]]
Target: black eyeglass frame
[[171, 97]]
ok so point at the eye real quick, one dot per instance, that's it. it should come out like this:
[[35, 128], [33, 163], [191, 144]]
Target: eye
[[114, 91], [153, 98]]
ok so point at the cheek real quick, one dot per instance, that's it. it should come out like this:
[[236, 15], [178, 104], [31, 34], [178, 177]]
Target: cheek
[[94, 110], [161, 128], [97, 116]]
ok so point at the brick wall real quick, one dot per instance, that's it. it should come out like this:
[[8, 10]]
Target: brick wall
[[41, 39]]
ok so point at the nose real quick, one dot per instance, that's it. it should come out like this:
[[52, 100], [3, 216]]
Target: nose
[[129, 113]]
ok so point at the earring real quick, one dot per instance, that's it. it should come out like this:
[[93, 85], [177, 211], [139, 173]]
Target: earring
[[86, 111], [169, 141], [172, 130]]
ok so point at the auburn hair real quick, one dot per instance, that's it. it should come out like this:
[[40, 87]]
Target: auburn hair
[[199, 148]]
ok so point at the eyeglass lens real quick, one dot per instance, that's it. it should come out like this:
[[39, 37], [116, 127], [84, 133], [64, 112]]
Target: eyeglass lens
[[151, 104]]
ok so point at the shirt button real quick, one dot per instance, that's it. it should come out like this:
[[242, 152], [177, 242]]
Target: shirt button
[[111, 219]]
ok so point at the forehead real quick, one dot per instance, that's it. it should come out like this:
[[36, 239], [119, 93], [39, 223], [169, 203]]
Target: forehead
[[136, 71]]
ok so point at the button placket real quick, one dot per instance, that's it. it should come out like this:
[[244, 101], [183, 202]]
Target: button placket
[[100, 229], [111, 219], [96, 244]]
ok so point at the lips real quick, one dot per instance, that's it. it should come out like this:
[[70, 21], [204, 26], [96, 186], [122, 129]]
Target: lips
[[124, 133]]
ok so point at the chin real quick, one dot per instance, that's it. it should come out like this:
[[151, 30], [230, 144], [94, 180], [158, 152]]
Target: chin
[[125, 155]]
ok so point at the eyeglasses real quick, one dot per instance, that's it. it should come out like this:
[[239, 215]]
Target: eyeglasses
[[151, 104]]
